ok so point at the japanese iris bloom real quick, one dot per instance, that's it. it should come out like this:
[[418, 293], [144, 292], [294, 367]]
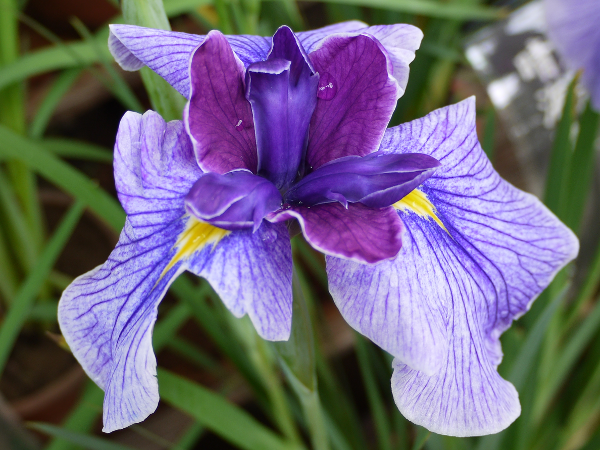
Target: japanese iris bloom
[[430, 253], [197, 192], [573, 28]]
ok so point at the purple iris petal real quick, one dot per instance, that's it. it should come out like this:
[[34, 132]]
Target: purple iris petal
[[353, 121], [168, 53], [282, 92], [107, 315], [399, 40], [573, 28], [252, 273], [376, 180], [233, 201], [218, 116], [442, 304], [357, 233]]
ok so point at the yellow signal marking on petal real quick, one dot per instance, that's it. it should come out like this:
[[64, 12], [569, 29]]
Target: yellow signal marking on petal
[[417, 202], [195, 237]]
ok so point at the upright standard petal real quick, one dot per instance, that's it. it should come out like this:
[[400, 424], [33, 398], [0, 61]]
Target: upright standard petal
[[356, 99], [399, 40], [234, 201], [218, 116], [573, 28], [358, 233], [375, 180], [168, 53], [283, 95], [487, 248]]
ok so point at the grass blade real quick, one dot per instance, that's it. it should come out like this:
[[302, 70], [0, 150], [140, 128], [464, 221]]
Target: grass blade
[[24, 299], [431, 8], [560, 158], [13, 146], [60, 87], [88, 442], [376, 404], [582, 168], [217, 414], [69, 148]]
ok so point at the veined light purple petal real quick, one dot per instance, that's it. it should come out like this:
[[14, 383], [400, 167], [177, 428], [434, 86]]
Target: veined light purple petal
[[400, 42], [252, 273], [168, 53], [155, 168], [573, 28], [499, 248], [218, 117], [283, 94], [311, 39], [107, 315], [376, 180], [356, 99], [357, 233], [233, 201]]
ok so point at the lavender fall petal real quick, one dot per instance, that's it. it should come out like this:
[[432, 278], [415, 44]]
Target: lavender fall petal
[[235, 200], [107, 315], [218, 116], [489, 250], [376, 180], [252, 273], [353, 120]]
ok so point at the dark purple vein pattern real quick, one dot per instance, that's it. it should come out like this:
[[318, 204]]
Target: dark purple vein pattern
[[442, 304], [353, 121], [107, 315], [218, 117]]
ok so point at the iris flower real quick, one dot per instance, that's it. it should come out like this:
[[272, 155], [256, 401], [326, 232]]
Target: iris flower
[[573, 28], [430, 253], [196, 193]]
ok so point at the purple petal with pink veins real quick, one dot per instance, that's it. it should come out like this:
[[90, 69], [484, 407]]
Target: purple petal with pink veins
[[357, 233], [218, 116], [375, 180], [233, 201], [168, 53], [352, 121]]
